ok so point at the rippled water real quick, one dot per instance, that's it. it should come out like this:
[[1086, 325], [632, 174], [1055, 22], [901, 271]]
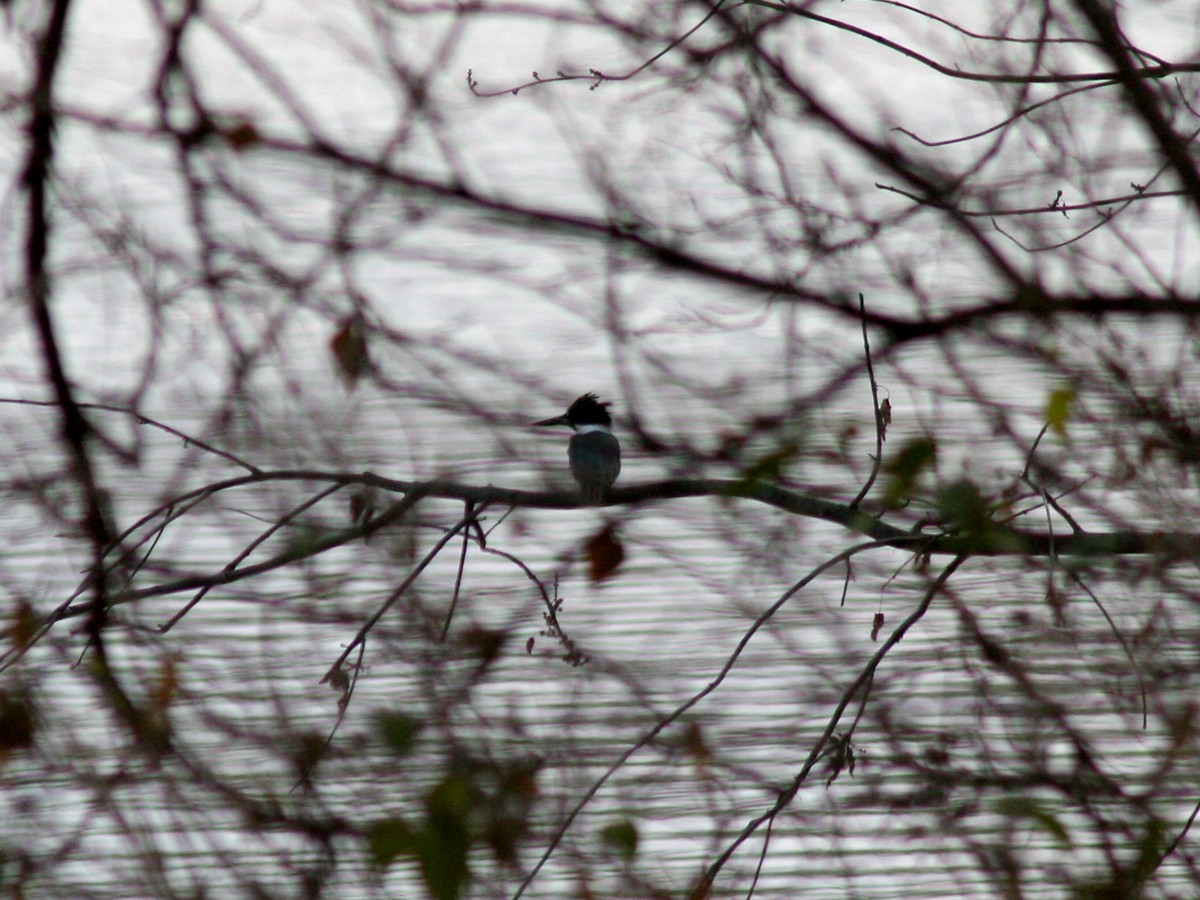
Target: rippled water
[[250, 657]]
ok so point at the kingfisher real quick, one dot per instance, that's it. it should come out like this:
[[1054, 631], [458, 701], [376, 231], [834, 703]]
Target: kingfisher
[[594, 452]]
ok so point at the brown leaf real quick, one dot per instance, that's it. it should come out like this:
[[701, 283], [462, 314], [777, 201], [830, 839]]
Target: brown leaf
[[18, 721], [163, 691], [349, 347], [362, 507], [241, 136], [24, 626], [605, 554]]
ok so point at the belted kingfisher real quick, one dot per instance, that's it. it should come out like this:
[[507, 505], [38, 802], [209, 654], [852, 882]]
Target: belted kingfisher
[[594, 452]]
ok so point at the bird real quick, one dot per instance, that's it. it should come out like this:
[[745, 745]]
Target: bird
[[594, 451]]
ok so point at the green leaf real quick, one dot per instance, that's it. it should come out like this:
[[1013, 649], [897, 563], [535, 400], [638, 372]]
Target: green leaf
[[442, 852], [906, 467], [399, 731], [770, 466], [962, 504], [388, 839], [452, 800], [1058, 410], [443, 844], [621, 837], [970, 514], [1037, 815]]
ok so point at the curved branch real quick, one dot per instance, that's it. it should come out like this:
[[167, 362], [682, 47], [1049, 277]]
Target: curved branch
[[1000, 540], [674, 257], [143, 420], [1020, 113], [1036, 210], [595, 75], [1141, 98], [1162, 70]]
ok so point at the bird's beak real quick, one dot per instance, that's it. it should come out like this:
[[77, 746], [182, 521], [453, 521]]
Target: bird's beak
[[557, 420]]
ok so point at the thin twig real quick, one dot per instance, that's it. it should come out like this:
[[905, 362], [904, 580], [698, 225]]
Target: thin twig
[[144, 420], [875, 404], [1162, 70], [663, 723], [343, 706], [1112, 626], [595, 75], [462, 564], [786, 796], [248, 549], [398, 593]]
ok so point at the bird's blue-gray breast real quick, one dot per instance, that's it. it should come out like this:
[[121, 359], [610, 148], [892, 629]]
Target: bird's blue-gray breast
[[595, 461]]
